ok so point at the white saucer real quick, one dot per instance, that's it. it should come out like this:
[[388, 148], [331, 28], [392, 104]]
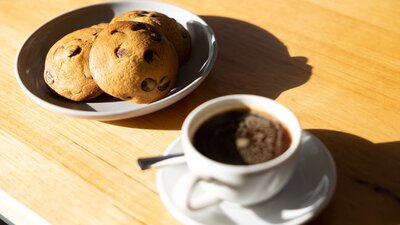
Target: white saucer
[[306, 195]]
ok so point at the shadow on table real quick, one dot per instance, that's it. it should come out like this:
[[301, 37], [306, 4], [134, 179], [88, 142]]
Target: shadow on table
[[368, 187], [250, 61]]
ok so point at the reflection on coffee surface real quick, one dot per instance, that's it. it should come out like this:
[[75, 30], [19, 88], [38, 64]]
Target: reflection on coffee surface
[[241, 137]]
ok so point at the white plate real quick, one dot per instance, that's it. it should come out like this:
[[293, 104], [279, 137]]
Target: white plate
[[31, 57], [305, 196]]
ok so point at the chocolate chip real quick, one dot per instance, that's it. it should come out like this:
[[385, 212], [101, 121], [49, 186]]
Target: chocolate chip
[[120, 52], [138, 14], [155, 36], [148, 84], [184, 32], [49, 78], [154, 33], [153, 15], [164, 84], [126, 96], [116, 31], [138, 26], [75, 51], [149, 55]]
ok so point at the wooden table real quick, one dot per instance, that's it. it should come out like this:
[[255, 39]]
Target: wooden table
[[336, 64]]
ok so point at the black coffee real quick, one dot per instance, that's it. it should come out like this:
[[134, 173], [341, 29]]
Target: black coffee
[[241, 137]]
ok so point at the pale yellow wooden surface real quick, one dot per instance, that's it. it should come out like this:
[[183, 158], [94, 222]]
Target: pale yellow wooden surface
[[339, 73]]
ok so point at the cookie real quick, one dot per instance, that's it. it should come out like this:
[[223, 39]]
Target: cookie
[[133, 61], [67, 70], [100, 26], [173, 30]]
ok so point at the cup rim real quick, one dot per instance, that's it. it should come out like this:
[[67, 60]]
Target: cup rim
[[289, 153]]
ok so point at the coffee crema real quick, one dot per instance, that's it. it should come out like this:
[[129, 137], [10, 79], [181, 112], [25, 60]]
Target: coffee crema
[[241, 137]]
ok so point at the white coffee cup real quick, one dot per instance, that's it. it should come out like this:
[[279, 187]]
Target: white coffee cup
[[241, 184]]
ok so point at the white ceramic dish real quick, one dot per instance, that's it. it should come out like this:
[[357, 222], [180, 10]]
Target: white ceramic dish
[[30, 60], [305, 196]]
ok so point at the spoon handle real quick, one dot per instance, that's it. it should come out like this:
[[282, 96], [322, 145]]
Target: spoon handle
[[159, 161]]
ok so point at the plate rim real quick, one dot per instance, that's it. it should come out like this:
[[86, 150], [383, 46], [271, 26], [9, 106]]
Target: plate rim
[[182, 217], [143, 109]]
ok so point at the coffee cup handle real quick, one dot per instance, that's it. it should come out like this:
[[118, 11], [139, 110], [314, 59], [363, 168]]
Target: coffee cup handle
[[184, 194]]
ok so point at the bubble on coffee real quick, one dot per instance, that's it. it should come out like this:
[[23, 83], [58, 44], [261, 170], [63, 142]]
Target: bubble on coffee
[[241, 137]]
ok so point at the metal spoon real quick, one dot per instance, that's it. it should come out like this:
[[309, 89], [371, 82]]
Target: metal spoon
[[160, 161]]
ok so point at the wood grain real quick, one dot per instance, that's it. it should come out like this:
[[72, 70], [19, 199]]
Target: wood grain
[[336, 64]]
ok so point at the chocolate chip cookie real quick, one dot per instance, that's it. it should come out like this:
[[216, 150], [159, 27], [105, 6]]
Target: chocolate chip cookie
[[67, 70], [100, 26], [133, 61], [173, 30]]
